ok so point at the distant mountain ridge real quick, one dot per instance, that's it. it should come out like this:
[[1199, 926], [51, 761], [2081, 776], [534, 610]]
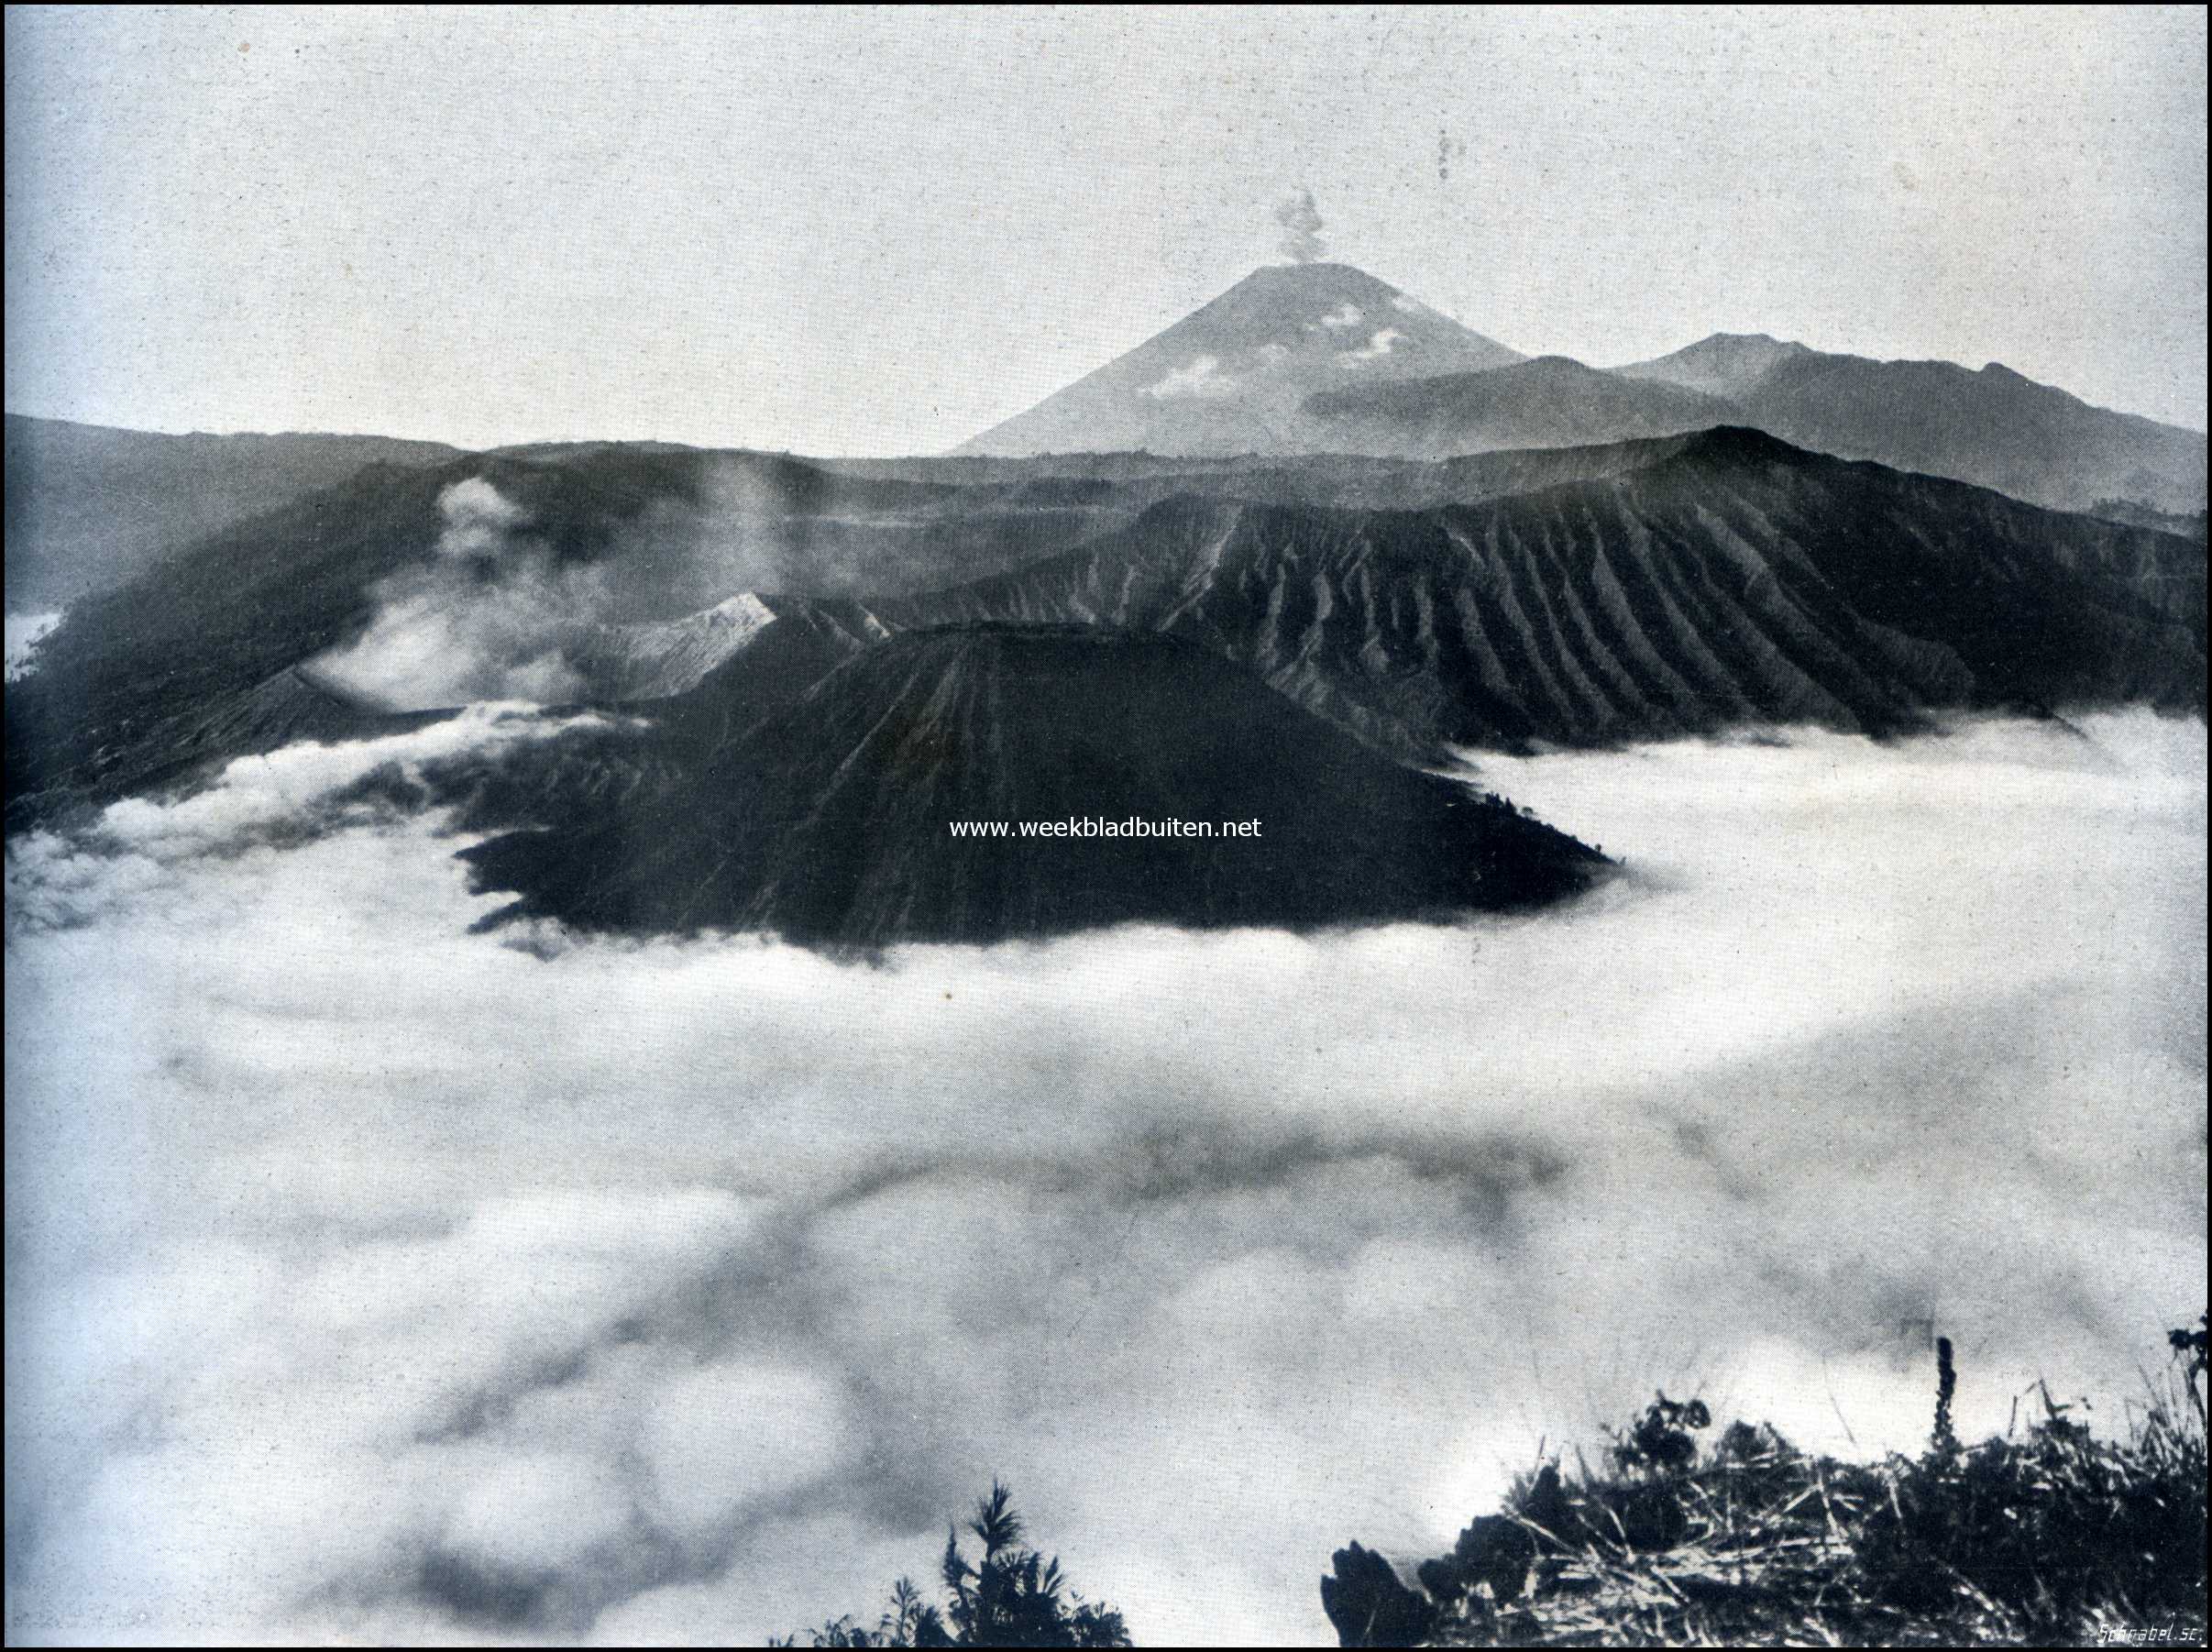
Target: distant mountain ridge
[[1577, 596], [1322, 358], [1316, 363], [90, 507], [1686, 585], [1991, 427], [1730, 366], [1550, 402]]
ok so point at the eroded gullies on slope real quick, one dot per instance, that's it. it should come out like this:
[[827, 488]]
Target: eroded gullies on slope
[[820, 666], [844, 819]]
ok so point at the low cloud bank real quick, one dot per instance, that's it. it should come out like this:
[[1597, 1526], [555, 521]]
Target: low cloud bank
[[369, 1278]]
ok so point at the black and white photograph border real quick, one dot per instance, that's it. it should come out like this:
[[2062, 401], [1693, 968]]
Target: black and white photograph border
[[855, 826]]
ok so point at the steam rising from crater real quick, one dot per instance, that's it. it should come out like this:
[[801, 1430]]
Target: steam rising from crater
[[1300, 221], [488, 618]]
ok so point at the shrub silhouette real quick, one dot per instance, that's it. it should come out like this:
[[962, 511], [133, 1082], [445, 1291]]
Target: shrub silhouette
[[1370, 1606], [1662, 1441], [1010, 1596]]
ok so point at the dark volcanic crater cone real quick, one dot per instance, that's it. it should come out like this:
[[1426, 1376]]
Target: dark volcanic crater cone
[[830, 823]]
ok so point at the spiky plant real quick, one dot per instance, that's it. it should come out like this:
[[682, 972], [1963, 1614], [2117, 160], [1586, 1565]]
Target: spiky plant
[[1944, 1438], [1010, 1596]]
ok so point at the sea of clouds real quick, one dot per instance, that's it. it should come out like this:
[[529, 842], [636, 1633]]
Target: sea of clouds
[[370, 1279]]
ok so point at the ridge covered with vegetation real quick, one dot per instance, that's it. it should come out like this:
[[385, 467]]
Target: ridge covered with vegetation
[[2047, 1534]]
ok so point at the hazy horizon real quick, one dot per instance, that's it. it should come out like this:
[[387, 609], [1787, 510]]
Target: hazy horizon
[[867, 233], [580, 437]]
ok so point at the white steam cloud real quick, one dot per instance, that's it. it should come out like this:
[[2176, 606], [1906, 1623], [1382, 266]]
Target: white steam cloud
[[490, 618], [623, 593], [370, 1279], [1300, 221]]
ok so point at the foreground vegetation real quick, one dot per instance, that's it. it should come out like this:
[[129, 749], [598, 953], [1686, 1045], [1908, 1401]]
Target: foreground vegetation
[[2047, 1534], [1011, 1596]]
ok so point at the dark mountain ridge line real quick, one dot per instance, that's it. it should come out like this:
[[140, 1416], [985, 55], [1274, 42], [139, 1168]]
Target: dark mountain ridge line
[[1733, 445], [92, 428], [1546, 400], [1547, 675], [1991, 425], [1578, 605], [1814, 362], [89, 506]]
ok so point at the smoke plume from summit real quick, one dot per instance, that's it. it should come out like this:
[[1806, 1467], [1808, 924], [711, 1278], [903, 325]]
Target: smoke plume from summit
[[1301, 222]]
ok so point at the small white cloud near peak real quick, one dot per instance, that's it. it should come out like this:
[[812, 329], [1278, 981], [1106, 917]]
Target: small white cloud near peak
[[1350, 316], [1200, 375], [1407, 304], [1381, 345]]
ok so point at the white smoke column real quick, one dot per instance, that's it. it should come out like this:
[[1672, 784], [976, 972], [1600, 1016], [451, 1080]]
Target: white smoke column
[[1301, 222], [478, 517], [490, 620]]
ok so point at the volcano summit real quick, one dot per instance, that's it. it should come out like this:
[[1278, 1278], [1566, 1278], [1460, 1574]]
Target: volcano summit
[[1235, 376]]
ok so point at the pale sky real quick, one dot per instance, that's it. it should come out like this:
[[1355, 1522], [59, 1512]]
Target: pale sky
[[879, 232]]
